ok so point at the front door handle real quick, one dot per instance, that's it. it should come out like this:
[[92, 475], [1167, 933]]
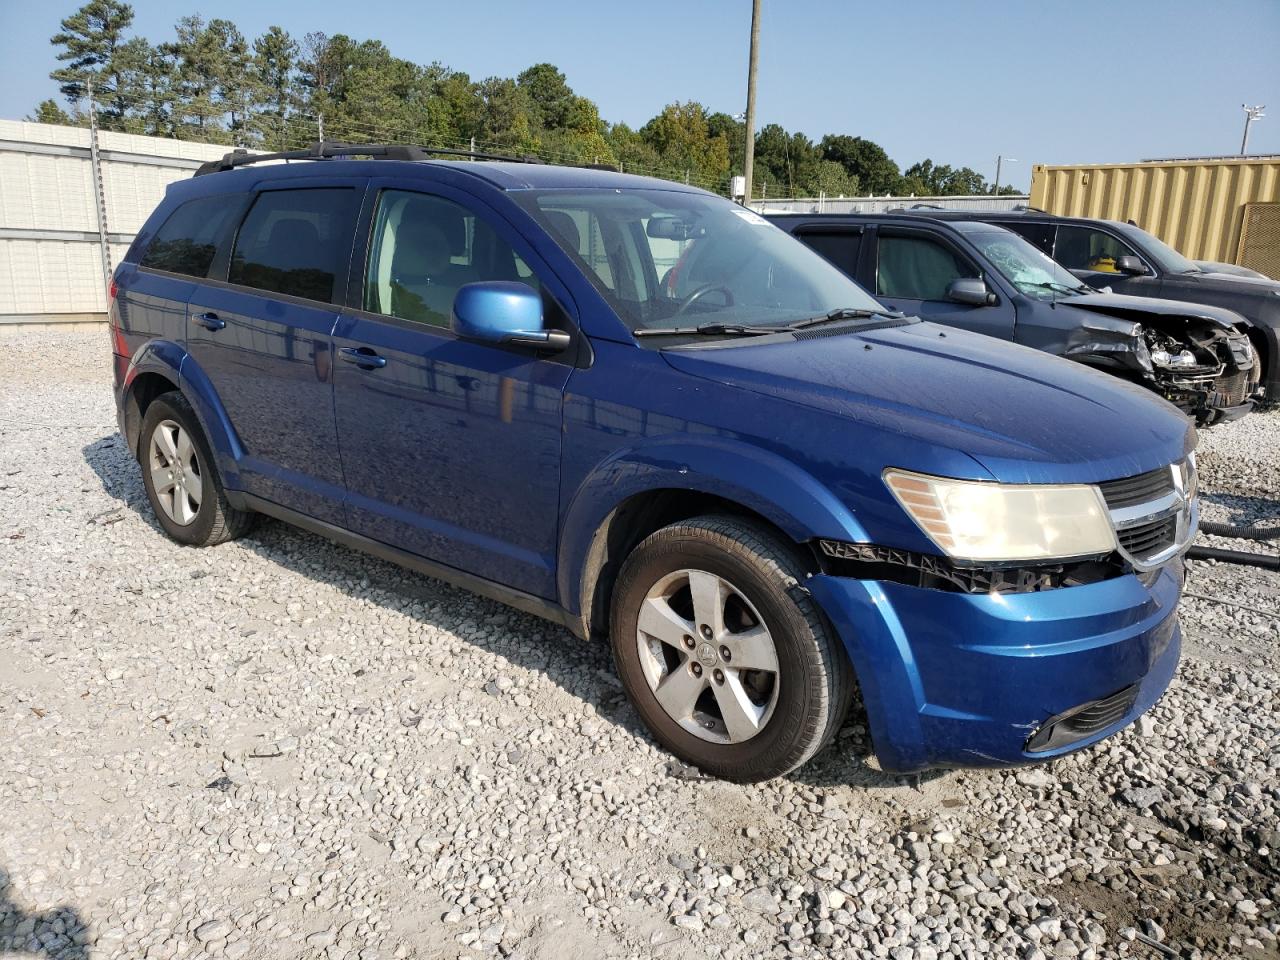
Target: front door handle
[[210, 321], [362, 357]]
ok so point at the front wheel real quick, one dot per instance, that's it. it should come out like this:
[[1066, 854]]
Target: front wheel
[[722, 651]]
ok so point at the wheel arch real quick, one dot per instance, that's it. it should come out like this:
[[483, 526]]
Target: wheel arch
[[631, 497]]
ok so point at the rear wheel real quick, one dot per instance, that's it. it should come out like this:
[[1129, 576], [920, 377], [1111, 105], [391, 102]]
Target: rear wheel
[[182, 484], [725, 656]]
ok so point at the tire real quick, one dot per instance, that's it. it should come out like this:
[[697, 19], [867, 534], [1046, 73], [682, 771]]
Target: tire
[[770, 723], [191, 503]]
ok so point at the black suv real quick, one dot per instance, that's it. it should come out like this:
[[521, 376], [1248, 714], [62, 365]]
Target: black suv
[[983, 278], [1124, 257]]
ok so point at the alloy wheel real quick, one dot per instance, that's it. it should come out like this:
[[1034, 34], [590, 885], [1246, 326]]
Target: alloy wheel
[[175, 472], [708, 656]]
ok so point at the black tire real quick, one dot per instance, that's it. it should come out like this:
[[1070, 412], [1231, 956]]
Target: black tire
[[215, 520], [814, 678]]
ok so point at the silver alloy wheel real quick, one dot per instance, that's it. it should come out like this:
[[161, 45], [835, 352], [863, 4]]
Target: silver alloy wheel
[[698, 632], [175, 472]]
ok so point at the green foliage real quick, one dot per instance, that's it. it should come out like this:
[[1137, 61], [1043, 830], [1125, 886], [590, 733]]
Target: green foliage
[[90, 39], [48, 111], [274, 92]]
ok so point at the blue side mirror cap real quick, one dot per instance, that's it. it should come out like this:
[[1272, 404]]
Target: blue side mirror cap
[[503, 312]]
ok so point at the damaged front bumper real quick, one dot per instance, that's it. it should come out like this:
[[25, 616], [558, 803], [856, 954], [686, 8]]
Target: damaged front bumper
[[1208, 371], [993, 679]]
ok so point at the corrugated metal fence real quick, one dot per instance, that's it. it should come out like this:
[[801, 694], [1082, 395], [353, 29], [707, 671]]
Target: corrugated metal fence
[[978, 204], [1197, 206], [50, 258]]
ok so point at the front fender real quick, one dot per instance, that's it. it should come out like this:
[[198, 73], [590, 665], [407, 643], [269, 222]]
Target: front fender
[[777, 489]]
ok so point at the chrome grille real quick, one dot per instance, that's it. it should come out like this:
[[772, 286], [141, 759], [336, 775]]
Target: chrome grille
[[1142, 488], [1153, 513], [1148, 539]]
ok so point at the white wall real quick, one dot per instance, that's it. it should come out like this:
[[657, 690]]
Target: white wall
[[46, 187]]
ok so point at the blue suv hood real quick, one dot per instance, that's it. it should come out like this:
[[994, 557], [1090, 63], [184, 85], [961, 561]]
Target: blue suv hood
[[1025, 416]]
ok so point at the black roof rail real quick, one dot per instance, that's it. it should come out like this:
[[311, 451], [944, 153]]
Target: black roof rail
[[324, 150], [1027, 208]]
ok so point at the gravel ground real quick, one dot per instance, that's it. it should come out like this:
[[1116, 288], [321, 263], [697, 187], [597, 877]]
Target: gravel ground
[[280, 748]]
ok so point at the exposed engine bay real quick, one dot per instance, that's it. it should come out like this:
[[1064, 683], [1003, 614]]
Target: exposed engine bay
[[1201, 364]]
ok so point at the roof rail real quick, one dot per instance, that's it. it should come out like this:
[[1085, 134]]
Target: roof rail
[[1027, 208], [324, 150]]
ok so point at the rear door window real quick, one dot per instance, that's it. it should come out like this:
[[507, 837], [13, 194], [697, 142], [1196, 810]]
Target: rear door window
[[188, 240], [1084, 248], [839, 248], [916, 267], [297, 242]]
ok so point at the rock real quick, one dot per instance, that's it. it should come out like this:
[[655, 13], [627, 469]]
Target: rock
[[212, 930], [760, 900]]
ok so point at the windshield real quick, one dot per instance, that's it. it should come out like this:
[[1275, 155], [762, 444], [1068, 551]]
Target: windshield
[[667, 259], [1167, 259], [1024, 265]]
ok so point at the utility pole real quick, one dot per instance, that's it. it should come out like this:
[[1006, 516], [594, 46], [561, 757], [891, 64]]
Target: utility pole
[[99, 191], [749, 159], [995, 191], [1250, 114]]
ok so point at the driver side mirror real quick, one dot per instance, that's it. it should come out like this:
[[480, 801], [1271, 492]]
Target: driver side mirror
[[1133, 266], [971, 291], [504, 313]]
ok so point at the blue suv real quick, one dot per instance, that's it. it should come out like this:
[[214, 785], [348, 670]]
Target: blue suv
[[645, 413]]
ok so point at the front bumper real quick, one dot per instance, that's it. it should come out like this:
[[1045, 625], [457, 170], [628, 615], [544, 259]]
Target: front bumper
[[959, 679]]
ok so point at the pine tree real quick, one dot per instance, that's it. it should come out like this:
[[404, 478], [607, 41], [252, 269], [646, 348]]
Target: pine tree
[[90, 39]]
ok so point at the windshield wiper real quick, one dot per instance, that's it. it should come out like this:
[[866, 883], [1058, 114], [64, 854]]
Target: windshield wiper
[[1059, 287], [842, 313], [709, 329], [746, 329]]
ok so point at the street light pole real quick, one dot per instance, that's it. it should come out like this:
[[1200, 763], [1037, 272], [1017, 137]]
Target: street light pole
[[749, 159], [995, 191], [1250, 114]]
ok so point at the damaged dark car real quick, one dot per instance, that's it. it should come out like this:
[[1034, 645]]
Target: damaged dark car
[[989, 280]]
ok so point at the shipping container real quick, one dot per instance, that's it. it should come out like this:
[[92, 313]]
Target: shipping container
[[1216, 208]]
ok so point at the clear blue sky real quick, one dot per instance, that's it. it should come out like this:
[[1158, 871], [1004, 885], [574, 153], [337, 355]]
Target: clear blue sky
[[1068, 82]]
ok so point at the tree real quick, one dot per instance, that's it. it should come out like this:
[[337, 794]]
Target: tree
[[90, 38], [682, 139], [146, 79], [275, 55], [863, 159], [789, 160], [925, 179], [48, 111]]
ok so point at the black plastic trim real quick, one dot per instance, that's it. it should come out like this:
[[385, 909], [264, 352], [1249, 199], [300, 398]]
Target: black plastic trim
[[526, 602]]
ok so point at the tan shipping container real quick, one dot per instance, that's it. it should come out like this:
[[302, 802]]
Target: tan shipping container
[[1210, 209]]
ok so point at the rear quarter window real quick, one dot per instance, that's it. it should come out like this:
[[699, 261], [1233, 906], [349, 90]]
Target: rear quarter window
[[188, 241], [296, 242]]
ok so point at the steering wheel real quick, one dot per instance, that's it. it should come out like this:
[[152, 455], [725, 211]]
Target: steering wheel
[[702, 291]]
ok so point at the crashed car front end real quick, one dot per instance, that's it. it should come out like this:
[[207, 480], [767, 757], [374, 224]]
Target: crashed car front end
[[1204, 365]]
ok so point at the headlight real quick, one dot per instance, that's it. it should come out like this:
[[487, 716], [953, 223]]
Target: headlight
[[997, 522]]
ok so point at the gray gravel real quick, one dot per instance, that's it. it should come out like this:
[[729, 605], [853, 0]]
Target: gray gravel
[[279, 748]]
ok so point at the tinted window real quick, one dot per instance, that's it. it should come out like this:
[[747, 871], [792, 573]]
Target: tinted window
[[1041, 234], [188, 240], [838, 249], [917, 268], [424, 248], [1084, 248], [296, 242]]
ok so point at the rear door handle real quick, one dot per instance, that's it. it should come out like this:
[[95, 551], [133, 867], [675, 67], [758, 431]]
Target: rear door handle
[[210, 321], [362, 357]]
